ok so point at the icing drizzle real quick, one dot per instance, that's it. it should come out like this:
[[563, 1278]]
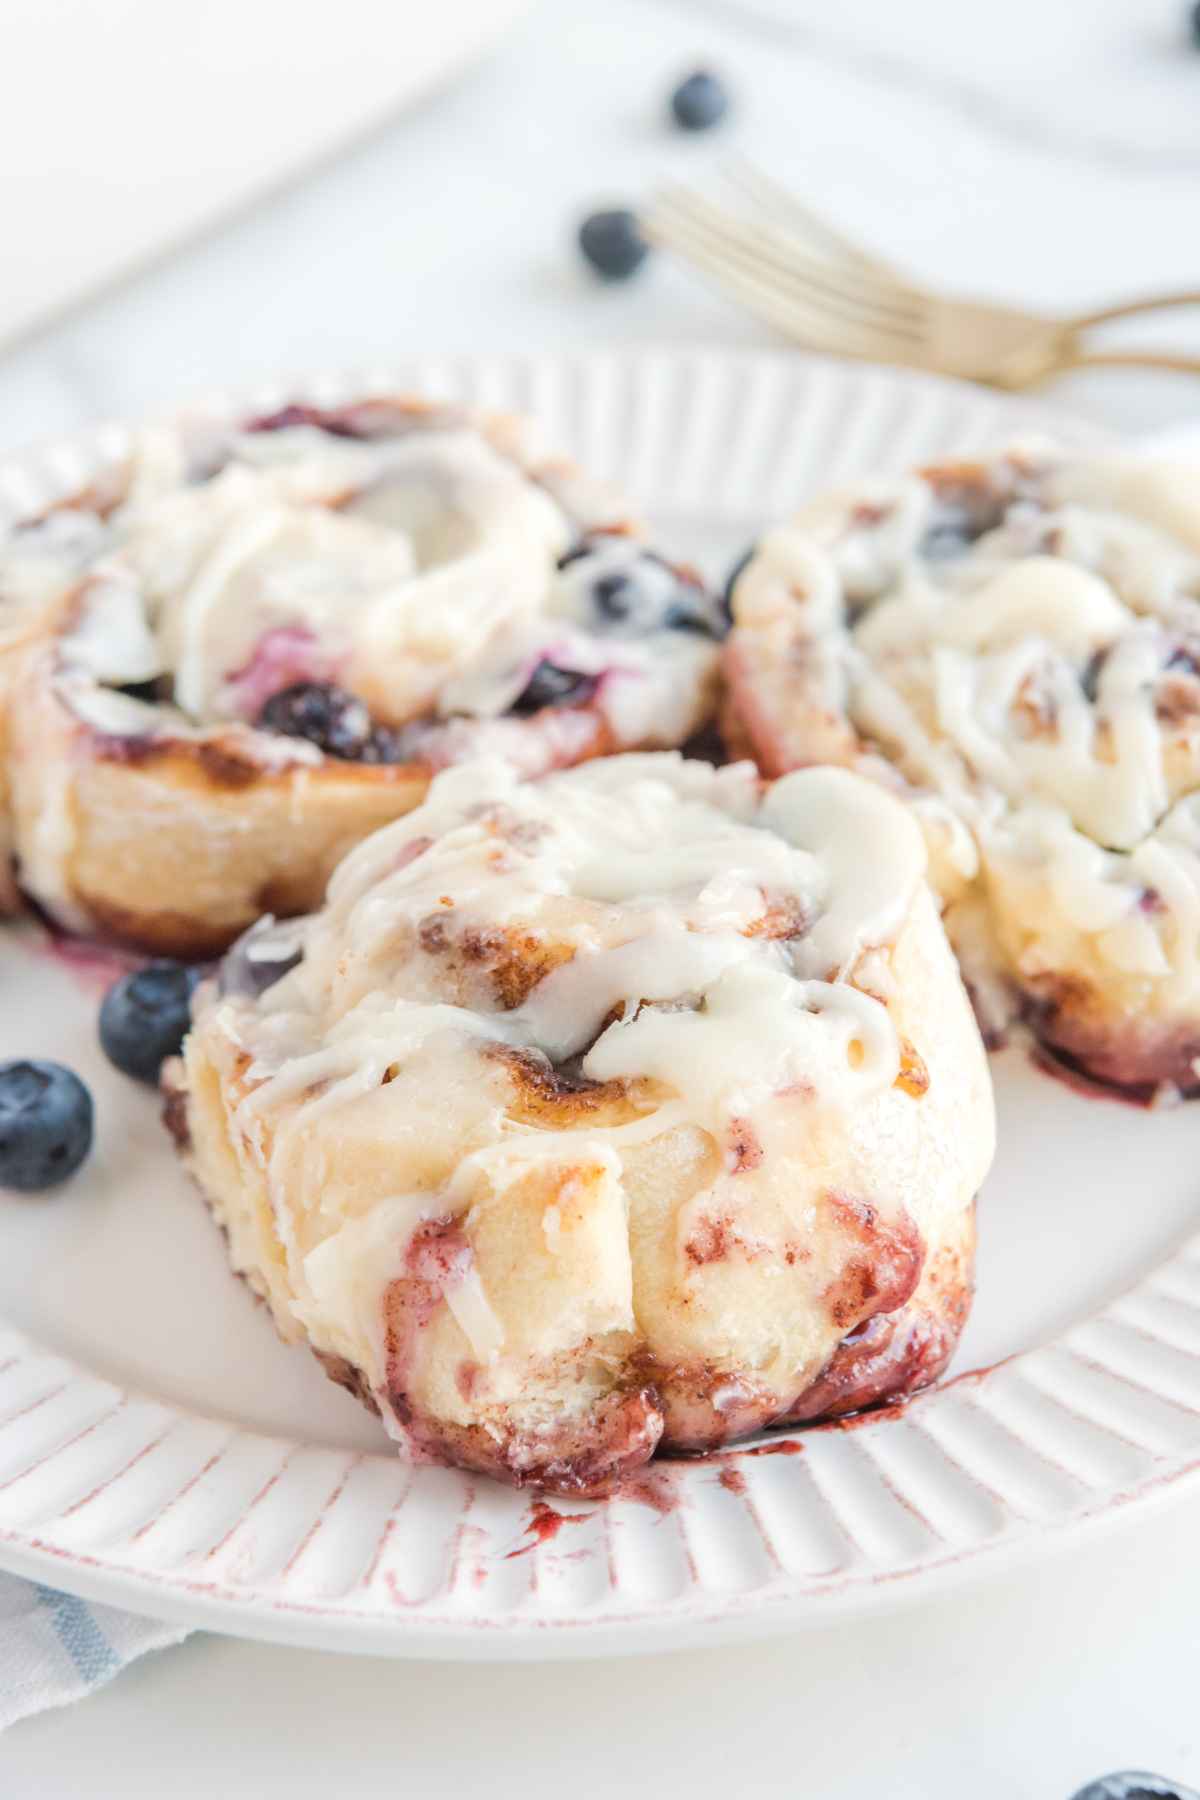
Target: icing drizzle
[[1033, 673], [684, 936]]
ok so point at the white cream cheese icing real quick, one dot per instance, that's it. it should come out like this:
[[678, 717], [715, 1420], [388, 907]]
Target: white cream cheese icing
[[418, 569], [427, 571], [705, 936], [1036, 682]]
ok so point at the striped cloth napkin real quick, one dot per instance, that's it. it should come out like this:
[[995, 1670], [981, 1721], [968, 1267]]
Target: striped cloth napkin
[[54, 1648]]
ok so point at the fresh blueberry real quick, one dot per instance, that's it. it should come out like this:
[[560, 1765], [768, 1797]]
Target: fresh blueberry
[[1134, 1784], [144, 1017], [700, 102], [1194, 21], [549, 685], [46, 1122], [612, 242]]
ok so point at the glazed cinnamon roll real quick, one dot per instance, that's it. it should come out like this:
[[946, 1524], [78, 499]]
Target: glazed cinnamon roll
[[633, 1109], [261, 642], [1014, 646]]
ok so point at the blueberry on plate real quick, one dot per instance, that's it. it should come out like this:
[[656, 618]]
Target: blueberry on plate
[[612, 242], [46, 1124], [144, 1017], [700, 102]]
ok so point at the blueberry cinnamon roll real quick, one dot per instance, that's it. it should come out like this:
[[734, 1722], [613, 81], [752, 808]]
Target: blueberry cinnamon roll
[[711, 1113], [1014, 646], [264, 640]]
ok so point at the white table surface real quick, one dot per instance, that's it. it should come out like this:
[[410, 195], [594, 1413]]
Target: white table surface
[[92, 202], [451, 229]]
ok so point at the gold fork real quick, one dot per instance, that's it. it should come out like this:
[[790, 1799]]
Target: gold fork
[[792, 268]]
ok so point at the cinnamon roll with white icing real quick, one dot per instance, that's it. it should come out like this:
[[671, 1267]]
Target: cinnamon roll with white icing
[[1013, 646], [260, 642], [635, 1108]]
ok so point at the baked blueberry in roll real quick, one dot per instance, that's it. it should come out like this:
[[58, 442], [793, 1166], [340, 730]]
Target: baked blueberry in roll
[[632, 1109], [1014, 645], [261, 642]]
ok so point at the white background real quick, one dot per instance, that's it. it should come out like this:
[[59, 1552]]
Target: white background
[[1041, 150]]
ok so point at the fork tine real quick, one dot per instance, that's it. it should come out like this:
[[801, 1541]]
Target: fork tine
[[779, 204], [764, 296], [866, 297], [817, 305], [849, 281], [797, 313]]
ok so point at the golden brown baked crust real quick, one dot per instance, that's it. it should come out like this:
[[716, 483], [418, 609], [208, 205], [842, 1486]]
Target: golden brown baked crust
[[176, 844], [669, 1408]]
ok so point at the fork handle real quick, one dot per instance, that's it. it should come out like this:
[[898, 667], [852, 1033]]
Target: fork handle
[[1128, 359], [1130, 309]]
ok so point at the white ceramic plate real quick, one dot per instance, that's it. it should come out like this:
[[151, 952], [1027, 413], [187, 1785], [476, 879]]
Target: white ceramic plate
[[161, 1450]]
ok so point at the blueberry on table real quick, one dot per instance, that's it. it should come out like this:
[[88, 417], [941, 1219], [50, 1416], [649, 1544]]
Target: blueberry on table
[[144, 1017], [700, 102], [613, 243], [46, 1124], [1135, 1784]]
